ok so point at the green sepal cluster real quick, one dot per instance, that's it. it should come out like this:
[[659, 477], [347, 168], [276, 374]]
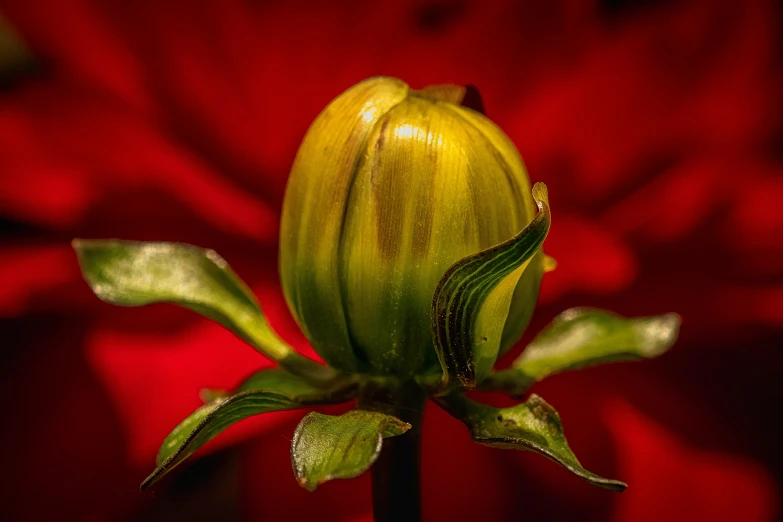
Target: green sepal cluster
[[470, 311], [130, 273]]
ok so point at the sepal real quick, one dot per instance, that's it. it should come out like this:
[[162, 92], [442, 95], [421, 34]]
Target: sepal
[[471, 302], [582, 337], [327, 447], [533, 425], [132, 273]]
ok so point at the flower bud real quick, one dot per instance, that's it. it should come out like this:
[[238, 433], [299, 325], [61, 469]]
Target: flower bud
[[390, 187]]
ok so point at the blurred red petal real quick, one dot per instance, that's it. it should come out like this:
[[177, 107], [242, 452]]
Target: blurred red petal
[[33, 187], [63, 439], [28, 271], [754, 225], [76, 38], [226, 82], [589, 259], [747, 305], [77, 145], [671, 480], [674, 203], [652, 90]]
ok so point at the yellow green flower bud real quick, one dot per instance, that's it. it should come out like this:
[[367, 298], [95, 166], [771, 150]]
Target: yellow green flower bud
[[390, 187]]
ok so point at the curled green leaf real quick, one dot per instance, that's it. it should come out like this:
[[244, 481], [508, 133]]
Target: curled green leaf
[[327, 447], [582, 337], [533, 425], [208, 421], [131, 273], [266, 391], [471, 302]]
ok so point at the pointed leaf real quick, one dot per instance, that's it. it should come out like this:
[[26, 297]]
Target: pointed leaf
[[533, 425], [472, 300], [266, 391], [131, 273], [582, 337], [327, 447], [208, 421]]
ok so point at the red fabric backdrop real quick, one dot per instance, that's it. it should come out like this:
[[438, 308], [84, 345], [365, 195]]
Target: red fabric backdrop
[[658, 128]]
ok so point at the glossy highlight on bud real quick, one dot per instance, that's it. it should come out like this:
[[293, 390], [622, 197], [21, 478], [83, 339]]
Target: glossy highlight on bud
[[390, 187]]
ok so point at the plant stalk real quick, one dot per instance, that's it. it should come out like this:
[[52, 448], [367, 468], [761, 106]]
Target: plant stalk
[[396, 483]]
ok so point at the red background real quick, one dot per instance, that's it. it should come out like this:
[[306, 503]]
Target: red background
[[658, 127]]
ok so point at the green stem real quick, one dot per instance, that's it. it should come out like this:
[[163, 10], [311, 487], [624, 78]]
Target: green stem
[[396, 490]]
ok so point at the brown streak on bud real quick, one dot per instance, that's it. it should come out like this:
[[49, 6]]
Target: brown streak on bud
[[388, 203]]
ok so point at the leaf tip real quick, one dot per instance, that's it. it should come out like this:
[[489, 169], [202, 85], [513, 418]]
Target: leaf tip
[[541, 195], [550, 263], [672, 321], [151, 479], [81, 249], [216, 258], [309, 485], [394, 427], [208, 395], [613, 485], [660, 333], [81, 245]]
